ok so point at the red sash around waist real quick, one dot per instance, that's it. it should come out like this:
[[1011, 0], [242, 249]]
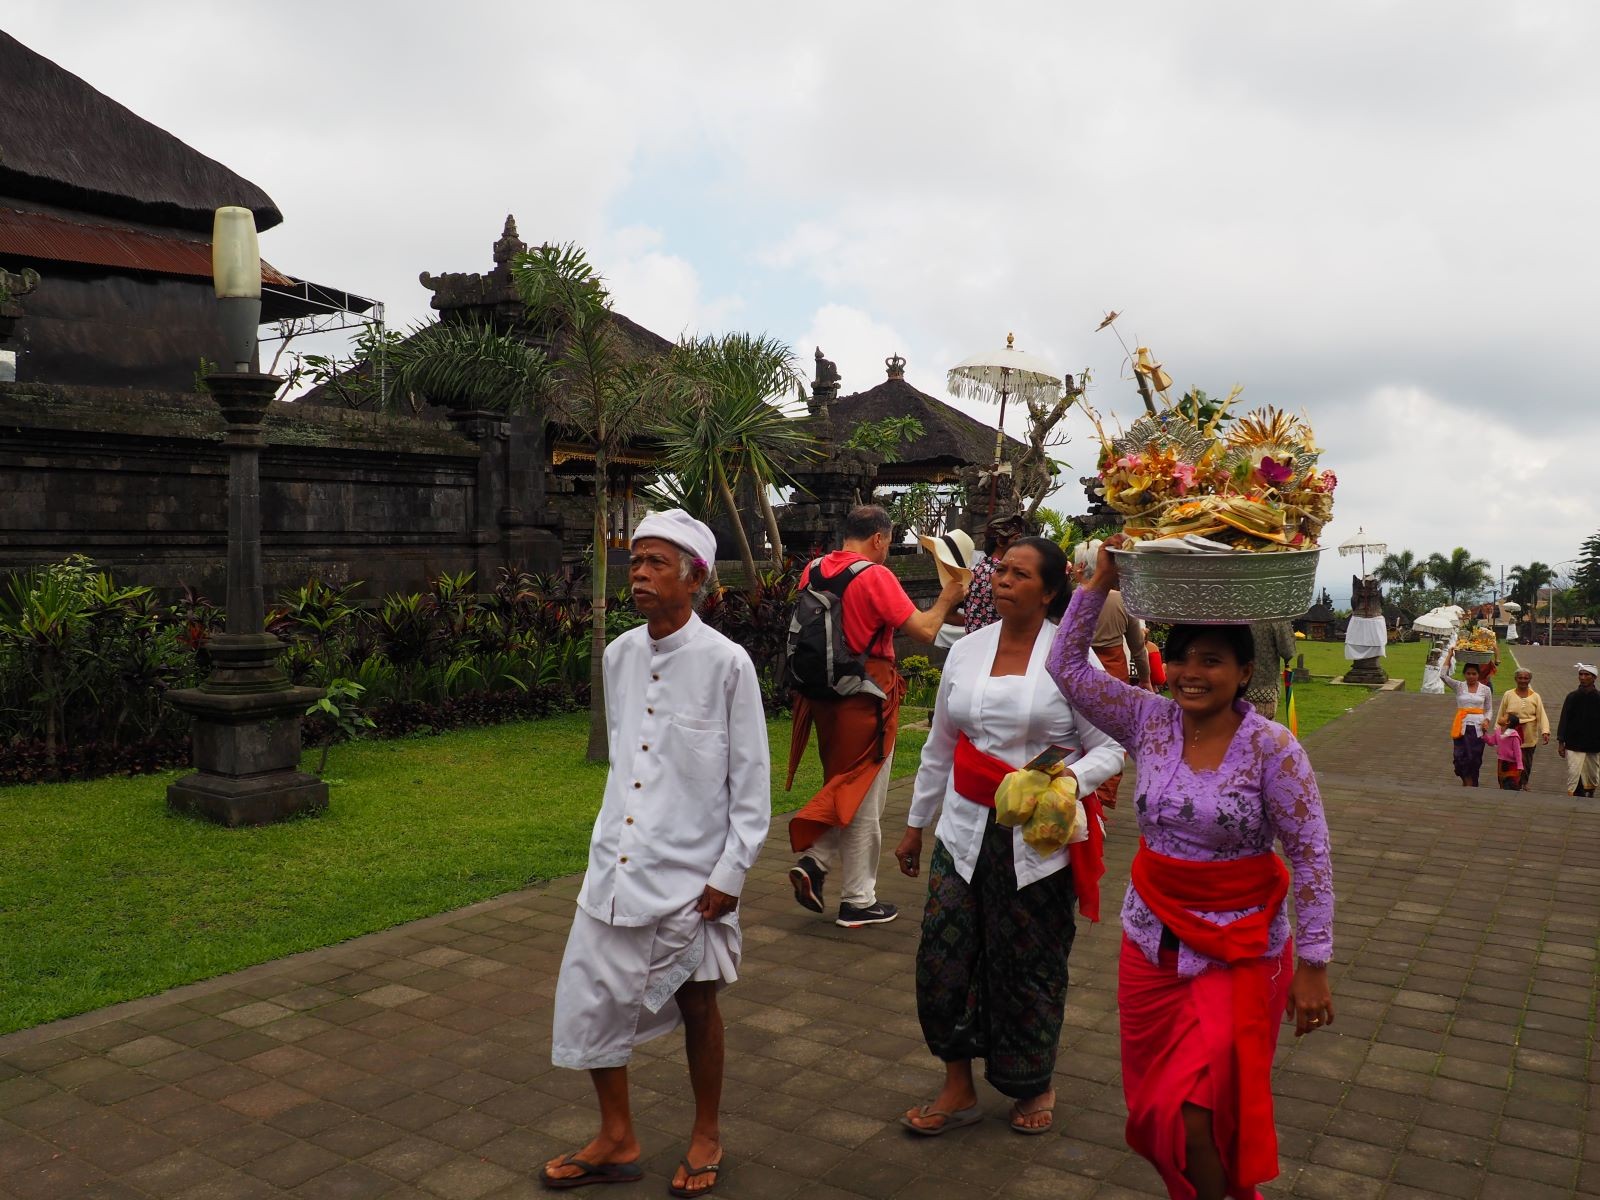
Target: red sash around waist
[[976, 776], [1176, 889]]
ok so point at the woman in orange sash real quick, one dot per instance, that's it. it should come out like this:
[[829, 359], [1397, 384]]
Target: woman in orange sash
[[1207, 967], [998, 926]]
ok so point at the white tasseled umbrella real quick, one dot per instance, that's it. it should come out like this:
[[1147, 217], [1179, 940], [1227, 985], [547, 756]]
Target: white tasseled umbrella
[[999, 375]]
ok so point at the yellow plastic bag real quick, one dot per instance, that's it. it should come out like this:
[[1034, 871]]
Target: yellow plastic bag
[[1017, 796], [1055, 816]]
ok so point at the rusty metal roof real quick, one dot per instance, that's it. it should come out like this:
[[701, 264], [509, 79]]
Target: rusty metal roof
[[44, 237]]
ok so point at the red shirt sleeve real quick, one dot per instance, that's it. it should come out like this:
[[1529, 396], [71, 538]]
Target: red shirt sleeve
[[875, 606]]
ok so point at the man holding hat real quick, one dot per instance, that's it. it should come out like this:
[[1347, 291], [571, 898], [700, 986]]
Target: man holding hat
[[839, 828], [687, 805], [1578, 734]]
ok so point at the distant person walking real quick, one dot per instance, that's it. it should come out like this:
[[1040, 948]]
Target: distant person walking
[[1274, 650], [1524, 703], [1508, 754], [1474, 699], [1578, 734], [839, 828]]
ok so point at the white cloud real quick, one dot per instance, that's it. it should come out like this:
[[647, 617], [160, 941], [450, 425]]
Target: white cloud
[[1380, 213]]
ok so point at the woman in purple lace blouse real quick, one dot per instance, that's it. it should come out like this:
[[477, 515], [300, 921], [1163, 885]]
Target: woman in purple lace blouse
[[1217, 784]]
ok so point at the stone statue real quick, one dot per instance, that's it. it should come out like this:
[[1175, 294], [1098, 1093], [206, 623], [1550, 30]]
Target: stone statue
[[824, 386], [1366, 596], [1366, 637]]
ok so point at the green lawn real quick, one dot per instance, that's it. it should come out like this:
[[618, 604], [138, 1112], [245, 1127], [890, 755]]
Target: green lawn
[[104, 896], [1320, 701]]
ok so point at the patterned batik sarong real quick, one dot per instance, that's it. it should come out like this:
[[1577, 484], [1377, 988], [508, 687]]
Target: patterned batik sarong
[[1466, 754], [992, 966]]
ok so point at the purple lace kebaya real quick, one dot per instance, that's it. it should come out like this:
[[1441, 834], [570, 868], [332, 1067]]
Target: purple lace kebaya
[[1263, 789]]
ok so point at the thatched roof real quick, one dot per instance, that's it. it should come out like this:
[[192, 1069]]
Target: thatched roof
[[950, 438], [63, 142]]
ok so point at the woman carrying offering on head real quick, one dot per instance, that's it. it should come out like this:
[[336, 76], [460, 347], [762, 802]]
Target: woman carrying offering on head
[[998, 926], [1207, 968], [1474, 702]]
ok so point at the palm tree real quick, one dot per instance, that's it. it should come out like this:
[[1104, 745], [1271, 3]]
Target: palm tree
[[1460, 574], [468, 364], [1404, 572], [600, 388], [727, 425], [1526, 582]]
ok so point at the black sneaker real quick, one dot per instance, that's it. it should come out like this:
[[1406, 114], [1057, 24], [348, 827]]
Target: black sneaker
[[806, 878], [880, 913]]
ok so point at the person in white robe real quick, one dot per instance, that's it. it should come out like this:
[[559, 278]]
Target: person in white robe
[[999, 925], [686, 808]]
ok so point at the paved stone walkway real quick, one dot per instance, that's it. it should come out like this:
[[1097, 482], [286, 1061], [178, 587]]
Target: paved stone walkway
[[415, 1062]]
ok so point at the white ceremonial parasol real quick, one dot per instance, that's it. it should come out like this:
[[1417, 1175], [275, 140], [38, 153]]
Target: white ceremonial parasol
[[1363, 543], [997, 376], [1439, 622]]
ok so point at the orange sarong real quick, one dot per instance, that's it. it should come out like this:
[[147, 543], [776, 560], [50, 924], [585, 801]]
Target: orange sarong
[[854, 735]]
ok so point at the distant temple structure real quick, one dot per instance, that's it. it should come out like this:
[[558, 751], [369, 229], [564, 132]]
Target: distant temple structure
[[115, 216]]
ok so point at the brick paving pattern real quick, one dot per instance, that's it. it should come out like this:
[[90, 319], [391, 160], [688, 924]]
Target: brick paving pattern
[[415, 1062]]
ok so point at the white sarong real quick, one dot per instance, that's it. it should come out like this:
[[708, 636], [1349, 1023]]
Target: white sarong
[[617, 982]]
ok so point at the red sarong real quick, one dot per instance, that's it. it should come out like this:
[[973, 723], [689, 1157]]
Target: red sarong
[[854, 735], [1208, 1040], [977, 774]]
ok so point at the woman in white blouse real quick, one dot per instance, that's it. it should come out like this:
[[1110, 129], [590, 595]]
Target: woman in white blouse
[[998, 926], [1474, 706]]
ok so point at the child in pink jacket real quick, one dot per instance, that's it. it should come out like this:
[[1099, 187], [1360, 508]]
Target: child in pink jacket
[[1508, 752]]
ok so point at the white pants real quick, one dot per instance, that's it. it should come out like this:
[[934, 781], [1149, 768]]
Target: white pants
[[617, 982], [856, 847], [1582, 767]]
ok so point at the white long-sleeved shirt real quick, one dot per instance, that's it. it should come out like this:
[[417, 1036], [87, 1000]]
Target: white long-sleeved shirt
[[689, 796], [1013, 718]]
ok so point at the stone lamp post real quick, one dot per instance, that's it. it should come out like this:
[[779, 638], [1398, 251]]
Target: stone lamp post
[[246, 715]]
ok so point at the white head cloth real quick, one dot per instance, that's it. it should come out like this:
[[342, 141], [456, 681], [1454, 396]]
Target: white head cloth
[[682, 530], [1589, 667]]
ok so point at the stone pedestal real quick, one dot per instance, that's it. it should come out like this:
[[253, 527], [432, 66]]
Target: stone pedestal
[[246, 714], [1366, 670], [247, 751]]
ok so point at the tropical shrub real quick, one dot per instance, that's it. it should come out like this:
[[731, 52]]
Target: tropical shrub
[[86, 664]]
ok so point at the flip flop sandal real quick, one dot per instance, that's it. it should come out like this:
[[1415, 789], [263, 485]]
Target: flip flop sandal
[[591, 1173], [689, 1172], [1017, 1115], [959, 1119]]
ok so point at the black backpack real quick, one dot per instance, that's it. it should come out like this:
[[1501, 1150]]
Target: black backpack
[[821, 665]]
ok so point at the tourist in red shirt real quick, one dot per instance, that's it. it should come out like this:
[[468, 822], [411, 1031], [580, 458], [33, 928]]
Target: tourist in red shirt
[[839, 826]]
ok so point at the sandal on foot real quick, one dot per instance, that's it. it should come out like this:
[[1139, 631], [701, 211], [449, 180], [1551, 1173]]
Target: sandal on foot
[[1018, 1117], [591, 1173], [959, 1119], [689, 1172]]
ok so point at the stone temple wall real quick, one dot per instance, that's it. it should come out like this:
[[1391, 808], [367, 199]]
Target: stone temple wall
[[137, 480]]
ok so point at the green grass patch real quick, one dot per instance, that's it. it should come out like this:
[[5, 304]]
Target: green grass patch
[[1321, 701], [105, 896]]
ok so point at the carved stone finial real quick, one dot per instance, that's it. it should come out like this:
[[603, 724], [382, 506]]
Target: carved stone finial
[[1011, 341], [509, 244], [895, 365]]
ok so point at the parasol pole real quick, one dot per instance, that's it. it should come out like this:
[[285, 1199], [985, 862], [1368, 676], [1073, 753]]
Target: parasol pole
[[999, 436]]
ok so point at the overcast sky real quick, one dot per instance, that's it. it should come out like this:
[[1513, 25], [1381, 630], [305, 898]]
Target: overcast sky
[[1382, 214]]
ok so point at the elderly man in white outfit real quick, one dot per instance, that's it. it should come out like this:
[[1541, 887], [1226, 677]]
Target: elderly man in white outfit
[[686, 808]]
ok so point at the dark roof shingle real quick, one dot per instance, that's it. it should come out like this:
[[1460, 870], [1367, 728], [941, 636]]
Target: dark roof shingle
[[65, 143]]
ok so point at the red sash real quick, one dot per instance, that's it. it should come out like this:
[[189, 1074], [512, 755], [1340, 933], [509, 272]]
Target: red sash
[[976, 776], [1175, 889]]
